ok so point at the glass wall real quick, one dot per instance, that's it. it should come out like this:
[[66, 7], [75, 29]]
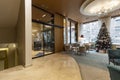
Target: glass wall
[[65, 32], [42, 15], [48, 39], [90, 31], [73, 35], [42, 39], [42, 32], [115, 30], [71, 29]]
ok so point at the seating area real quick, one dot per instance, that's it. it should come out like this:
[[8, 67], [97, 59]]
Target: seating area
[[76, 48]]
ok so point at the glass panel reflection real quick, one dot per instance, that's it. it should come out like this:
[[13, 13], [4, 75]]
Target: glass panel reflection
[[42, 39]]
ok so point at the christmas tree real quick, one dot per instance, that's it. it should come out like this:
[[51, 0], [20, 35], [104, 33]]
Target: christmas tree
[[103, 40]]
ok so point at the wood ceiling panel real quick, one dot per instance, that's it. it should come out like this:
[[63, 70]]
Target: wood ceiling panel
[[38, 14], [68, 8]]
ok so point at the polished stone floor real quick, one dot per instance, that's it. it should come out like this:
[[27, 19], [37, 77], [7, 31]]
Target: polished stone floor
[[52, 67]]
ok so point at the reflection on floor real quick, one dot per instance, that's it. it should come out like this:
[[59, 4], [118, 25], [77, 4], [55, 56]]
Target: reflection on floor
[[46, 53], [40, 53], [36, 53], [52, 67]]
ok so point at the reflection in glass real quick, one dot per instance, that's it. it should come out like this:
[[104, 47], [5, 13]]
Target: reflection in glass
[[90, 31], [73, 37], [42, 39], [68, 24], [48, 39], [115, 30], [71, 30]]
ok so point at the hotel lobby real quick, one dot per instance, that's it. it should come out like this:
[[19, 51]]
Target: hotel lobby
[[60, 40]]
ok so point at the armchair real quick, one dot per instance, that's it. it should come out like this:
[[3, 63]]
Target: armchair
[[68, 48], [82, 49]]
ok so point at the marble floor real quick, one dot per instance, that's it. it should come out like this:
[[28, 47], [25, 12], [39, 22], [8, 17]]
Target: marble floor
[[57, 66]]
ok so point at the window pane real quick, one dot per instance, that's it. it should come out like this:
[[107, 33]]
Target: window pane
[[65, 34], [73, 37], [115, 30], [90, 31], [68, 30]]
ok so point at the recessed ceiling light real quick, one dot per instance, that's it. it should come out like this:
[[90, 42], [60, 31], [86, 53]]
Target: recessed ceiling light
[[37, 19], [43, 15]]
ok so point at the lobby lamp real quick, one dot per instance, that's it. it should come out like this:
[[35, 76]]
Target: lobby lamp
[[81, 40], [82, 36]]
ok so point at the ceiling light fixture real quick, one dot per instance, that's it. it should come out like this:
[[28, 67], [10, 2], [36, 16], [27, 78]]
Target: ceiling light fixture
[[43, 15], [98, 7], [104, 8]]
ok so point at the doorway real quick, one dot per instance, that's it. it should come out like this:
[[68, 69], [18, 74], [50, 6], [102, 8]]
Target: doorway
[[42, 39]]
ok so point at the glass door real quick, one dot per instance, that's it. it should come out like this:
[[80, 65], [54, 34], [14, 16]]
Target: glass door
[[37, 40], [48, 39], [42, 39]]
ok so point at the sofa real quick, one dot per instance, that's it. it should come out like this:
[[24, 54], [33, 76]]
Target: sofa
[[114, 72], [114, 56]]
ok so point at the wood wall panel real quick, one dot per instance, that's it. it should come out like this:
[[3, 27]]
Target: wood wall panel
[[58, 39], [58, 33]]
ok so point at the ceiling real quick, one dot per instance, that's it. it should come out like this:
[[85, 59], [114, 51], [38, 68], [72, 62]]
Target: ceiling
[[68, 8], [41, 15], [9, 10]]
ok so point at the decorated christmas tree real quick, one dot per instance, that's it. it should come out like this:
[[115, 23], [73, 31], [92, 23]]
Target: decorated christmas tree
[[103, 40]]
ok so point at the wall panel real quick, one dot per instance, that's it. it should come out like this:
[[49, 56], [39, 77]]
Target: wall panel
[[59, 44]]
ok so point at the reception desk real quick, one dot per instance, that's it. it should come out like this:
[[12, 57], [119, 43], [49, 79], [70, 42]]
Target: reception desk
[[3, 56]]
